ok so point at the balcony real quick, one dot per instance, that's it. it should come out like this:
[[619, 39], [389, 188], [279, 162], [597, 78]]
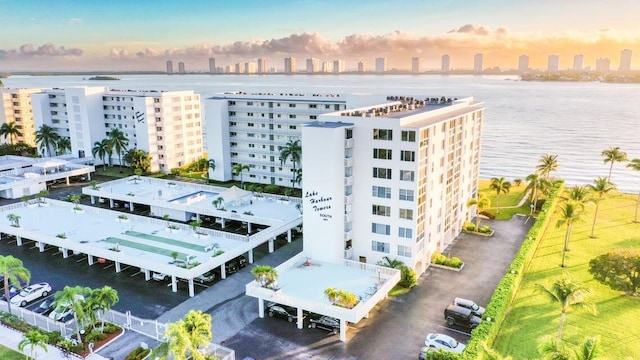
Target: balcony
[[348, 143], [348, 199], [348, 181], [348, 235], [348, 253], [348, 218], [348, 162]]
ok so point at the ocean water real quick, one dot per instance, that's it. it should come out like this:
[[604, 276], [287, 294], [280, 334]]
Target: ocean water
[[523, 120]]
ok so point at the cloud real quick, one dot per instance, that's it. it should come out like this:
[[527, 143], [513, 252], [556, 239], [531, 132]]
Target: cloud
[[472, 29], [46, 50]]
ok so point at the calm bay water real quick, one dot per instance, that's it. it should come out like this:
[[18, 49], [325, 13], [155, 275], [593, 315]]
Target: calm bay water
[[523, 120]]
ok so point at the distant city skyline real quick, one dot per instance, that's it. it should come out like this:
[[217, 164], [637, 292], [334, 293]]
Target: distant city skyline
[[80, 36]]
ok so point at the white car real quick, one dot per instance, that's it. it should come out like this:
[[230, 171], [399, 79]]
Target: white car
[[63, 311], [444, 342], [31, 293]]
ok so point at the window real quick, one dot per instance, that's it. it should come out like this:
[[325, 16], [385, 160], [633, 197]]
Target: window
[[382, 134], [313, 117], [249, 103], [292, 105], [408, 136], [380, 229], [292, 127], [406, 175], [250, 124], [406, 195], [232, 113], [380, 246], [292, 116], [249, 114], [381, 173], [404, 250], [382, 154], [312, 106], [405, 232], [381, 210], [406, 214], [406, 155], [381, 192]]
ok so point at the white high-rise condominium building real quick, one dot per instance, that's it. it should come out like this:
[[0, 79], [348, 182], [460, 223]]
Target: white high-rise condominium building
[[250, 67], [16, 109], [212, 65], [361, 67], [603, 64], [625, 60], [578, 61], [523, 63], [554, 63], [252, 129], [477, 62], [166, 124], [263, 66], [327, 67], [415, 64], [313, 65], [338, 66], [181, 68], [169, 67], [446, 63], [289, 65], [381, 65], [391, 179]]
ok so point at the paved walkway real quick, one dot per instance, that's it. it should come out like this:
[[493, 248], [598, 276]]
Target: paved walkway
[[11, 339]]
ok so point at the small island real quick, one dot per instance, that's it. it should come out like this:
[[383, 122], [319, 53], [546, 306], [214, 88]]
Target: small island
[[103, 78]]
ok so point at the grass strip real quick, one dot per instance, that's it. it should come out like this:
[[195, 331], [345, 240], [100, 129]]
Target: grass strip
[[144, 247], [164, 240]]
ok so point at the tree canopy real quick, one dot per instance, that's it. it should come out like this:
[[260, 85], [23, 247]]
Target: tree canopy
[[618, 269]]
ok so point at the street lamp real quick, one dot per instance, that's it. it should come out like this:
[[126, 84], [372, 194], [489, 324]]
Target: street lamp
[[379, 271]]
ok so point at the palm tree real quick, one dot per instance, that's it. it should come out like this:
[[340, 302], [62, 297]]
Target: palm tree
[[75, 198], [15, 219], [570, 212], [102, 150], [601, 187], [292, 150], [63, 145], [186, 336], [580, 194], [10, 130], [237, 169], [500, 185], [118, 142], [47, 138], [569, 294], [635, 166], [551, 349], [482, 203], [218, 202], [101, 300], [76, 299], [547, 164], [34, 339], [265, 275], [589, 349], [613, 155], [517, 182], [14, 273], [390, 263], [297, 177]]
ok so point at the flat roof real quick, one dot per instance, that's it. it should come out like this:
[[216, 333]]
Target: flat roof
[[328, 124]]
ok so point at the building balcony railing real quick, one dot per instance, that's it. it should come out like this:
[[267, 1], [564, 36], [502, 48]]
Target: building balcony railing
[[348, 199], [348, 143], [348, 162], [348, 235], [348, 180], [348, 218], [348, 253]]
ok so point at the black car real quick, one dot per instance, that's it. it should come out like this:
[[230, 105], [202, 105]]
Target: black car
[[457, 315], [326, 323], [235, 264], [282, 311], [45, 307]]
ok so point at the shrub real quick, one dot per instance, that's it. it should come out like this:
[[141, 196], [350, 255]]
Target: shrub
[[54, 337], [485, 229], [138, 353], [408, 278], [272, 189], [440, 259], [469, 226], [110, 328], [94, 336]]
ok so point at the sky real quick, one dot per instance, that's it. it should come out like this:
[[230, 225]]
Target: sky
[[116, 35]]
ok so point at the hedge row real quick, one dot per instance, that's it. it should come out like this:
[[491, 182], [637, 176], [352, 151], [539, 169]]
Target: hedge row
[[501, 300]]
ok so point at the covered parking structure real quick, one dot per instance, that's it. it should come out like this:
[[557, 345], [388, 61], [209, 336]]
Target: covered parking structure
[[147, 243], [302, 281]]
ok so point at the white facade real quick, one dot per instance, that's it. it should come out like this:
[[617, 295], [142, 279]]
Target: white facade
[[289, 65], [263, 66], [252, 129], [15, 107], [381, 65], [338, 66], [391, 179], [313, 65], [167, 125]]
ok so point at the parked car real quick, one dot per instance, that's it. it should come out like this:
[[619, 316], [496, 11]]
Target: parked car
[[444, 342], [159, 276], [45, 307], [235, 264], [424, 351], [207, 277], [457, 315], [31, 293], [13, 291], [476, 309], [63, 311], [282, 311], [326, 323]]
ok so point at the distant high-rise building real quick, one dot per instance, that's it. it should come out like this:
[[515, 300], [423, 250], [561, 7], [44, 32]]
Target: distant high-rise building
[[230, 69], [327, 67], [381, 65], [603, 64], [553, 64], [263, 66], [523, 63], [625, 60], [169, 67], [239, 68], [250, 67], [313, 65], [446, 63], [181, 69], [415, 64], [477, 63], [338, 66], [361, 67], [212, 65], [577, 62], [289, 65]]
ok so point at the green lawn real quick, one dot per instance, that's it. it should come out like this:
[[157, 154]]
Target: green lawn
[[533, 316], [8, 354], [510, 199]]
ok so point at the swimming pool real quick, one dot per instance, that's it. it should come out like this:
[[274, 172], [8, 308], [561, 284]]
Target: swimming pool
[[196, 197]]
